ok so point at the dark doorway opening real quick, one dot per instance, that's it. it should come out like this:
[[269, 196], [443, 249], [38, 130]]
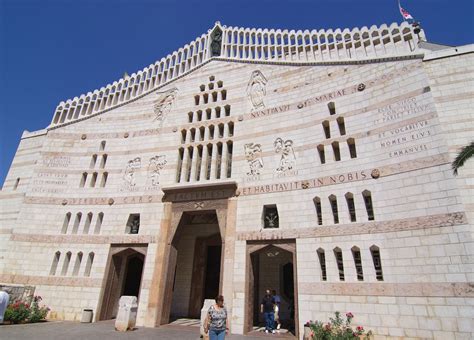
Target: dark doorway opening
[[133, 276], [213, 270]]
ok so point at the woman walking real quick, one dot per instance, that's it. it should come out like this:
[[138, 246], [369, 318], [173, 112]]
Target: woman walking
[[217, 323]]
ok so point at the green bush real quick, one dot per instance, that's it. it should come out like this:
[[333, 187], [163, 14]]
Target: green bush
[[20, 311], [337, 329]]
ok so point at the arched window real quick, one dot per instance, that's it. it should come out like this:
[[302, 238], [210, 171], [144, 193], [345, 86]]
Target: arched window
[[102, 145], [83, 180], [103, 182], [375, 251], [340, 262], [351, 206], [67, 259], [93, 161], [87, 224], [98, 223], [317, 206], [358, 263], [77, 221], [193, 135], [333, 203], [67, 219], [180, 164], [322, 264], [368, 204], [77, 264], [54, 265], [93, 180], [322, 156], [90, 261], [103, 161]]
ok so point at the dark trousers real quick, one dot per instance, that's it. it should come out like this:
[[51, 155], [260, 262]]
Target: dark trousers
[[269, 320]]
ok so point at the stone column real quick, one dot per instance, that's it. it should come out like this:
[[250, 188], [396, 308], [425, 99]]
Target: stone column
[[214, 161], [326, 211], [194, 164], [361, 212], [184, 167], [344, 150], [224, 159], [332, 270], [343, 210], [350, 274]]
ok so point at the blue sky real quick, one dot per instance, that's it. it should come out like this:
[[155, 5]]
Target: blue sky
[[52, 50]]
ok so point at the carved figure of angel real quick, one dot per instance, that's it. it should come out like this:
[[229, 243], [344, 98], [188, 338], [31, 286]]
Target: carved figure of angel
[[257, 89], [129, 175], [156, 164], [163, 104], [253, 154], [288, 159]]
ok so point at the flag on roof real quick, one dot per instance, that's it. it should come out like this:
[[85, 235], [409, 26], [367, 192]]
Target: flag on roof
[[404, 12]]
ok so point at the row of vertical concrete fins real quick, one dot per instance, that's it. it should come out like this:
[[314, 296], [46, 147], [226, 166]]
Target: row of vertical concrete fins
[[280, 46]]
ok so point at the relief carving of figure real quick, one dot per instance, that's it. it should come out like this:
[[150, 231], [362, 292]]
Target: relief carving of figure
[[129, 175], [216, 43], [162, 106], [253, 154], [156, 164], [288, 159], [271, 219], [256, 90]]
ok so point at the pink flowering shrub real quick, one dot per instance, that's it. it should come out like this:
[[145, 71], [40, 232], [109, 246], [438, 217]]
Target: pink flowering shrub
[[20, 311], [337, 328]]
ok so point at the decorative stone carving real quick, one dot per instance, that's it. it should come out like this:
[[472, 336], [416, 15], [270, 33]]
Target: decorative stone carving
[[375, 173], [361, 87], [256, 90], [163, 105], [253, 154], [288, 159], [270, 217], [84, 136], [129, 176], [156, 164], [199, 205], [216, 42]]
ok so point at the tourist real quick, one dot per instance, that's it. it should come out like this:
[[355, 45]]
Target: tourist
[[217, 323], [277, 308], [267, 308]]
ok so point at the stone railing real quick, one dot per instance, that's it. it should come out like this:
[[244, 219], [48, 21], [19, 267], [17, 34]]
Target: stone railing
[[244, 44]]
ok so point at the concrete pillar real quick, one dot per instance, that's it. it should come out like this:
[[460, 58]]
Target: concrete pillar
[[184, 167], [194, 164], [224, 159], [214, 161]]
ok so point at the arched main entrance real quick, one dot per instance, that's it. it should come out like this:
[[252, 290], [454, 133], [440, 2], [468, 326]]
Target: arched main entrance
[[272, 266], [124, 276]]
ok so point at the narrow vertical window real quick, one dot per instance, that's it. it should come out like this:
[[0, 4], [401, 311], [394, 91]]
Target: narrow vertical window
[[332, 108], [375, 251], [87, 223], [67, 259], [103, 182], [358, 263], [231, 129], [214, 96], [17, 181], [218, 111], [103, 161], [221, 130], [67, 219], [93, 161], [180, 164], [209, 161], [98, 223], [270, 216], [90, 261], [202, 131], [351, 206], [83, 180], [368, 204], [199, 115], [229, 158], [77, 264], [77, 221], [196, 99], [227, 110], [190, 117], [205, 97], [340, 263], [54, 265], [211, 132], [102, 145], [322, 156], [193, 135], [183, 136], [322, 264], [327, 130], [352, 147], [219, 161], [224, 94], [317, 206], [208, 114], [197, 175], [93, 180], [333, 203], [341, 125], [189, 164], [336, 151]]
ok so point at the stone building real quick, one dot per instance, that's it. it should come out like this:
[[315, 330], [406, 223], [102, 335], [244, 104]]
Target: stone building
[[316, 163]]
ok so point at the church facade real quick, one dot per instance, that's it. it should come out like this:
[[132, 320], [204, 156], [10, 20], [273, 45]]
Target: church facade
[[315, 163]]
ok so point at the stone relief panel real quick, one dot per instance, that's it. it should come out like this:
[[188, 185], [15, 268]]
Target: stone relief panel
[[129, 176], [162, 106], [253, 155], [256, 90], [288, 159], [155, 166]]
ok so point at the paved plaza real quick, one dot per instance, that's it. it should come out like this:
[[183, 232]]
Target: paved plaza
[[104, 330]]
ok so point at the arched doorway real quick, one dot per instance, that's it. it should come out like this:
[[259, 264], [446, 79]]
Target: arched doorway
[[124, 276], [272, 266]]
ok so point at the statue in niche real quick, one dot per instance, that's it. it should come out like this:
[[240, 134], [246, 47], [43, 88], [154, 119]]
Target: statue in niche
[[162, 106], [256, 90], [129, 176], [288, 159], [156, 164], [253, 154], [271, 218], [216, 41]]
